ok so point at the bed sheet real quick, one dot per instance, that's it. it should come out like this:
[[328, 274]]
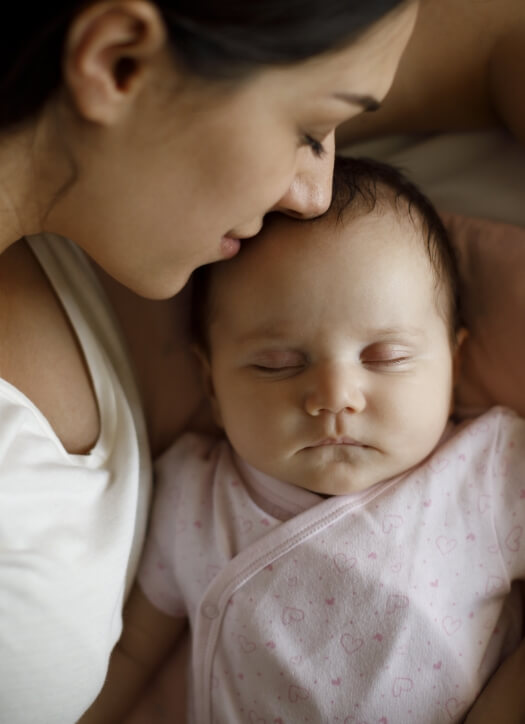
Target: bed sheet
[[477, 174]]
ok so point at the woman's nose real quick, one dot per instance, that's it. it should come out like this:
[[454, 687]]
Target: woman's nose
[[310, 192], [335, 389]]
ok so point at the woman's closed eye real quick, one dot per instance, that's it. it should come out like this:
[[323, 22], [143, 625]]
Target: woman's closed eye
[[315, 145]]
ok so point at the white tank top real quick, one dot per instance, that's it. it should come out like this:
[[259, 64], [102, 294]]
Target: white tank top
[[71, 526]]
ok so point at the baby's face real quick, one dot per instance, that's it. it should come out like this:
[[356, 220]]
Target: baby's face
[[330, 363]]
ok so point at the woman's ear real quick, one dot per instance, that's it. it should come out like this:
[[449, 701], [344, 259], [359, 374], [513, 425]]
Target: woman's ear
[[109, 48], [207, 378]]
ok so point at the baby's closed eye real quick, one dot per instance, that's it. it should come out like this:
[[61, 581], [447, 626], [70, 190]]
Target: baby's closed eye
[[278, 360], [385, 354]]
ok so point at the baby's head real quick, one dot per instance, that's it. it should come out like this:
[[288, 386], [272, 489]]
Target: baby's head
[[329, 345]]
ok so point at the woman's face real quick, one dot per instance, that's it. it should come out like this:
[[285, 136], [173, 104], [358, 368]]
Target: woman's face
[[196, 167]]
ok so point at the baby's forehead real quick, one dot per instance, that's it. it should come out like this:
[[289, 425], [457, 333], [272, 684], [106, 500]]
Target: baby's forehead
[[283, 239], [284, 260], [288, 252]]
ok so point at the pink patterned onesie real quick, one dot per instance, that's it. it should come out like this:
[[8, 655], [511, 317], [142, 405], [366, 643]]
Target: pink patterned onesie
[[389, 606]]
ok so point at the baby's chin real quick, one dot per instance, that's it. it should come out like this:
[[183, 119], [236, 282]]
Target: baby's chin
[[336, 482]]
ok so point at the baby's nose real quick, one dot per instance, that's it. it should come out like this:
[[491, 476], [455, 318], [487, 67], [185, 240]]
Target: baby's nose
[[335, 389]]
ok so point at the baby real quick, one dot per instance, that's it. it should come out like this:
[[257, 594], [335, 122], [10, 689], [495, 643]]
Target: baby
[[345, 553]]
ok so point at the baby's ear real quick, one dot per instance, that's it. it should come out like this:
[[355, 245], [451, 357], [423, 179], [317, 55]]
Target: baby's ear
[[461, 336], [207, 378]]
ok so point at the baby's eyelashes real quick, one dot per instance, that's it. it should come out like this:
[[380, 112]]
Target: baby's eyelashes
[[385, 354], [278, 361], [287, 362]]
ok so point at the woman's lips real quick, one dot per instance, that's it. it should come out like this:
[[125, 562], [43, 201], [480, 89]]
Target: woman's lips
[[229, 246]]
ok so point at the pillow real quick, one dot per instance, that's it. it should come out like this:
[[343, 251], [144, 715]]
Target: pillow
[[491, 258]]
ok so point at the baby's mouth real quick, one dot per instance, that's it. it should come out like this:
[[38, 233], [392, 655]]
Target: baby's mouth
[[349, 441]]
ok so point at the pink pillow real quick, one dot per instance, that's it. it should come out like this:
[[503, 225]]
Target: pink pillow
[[491, 259]]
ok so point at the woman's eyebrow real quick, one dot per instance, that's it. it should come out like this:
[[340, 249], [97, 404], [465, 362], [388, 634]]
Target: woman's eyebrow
[[367, 103]]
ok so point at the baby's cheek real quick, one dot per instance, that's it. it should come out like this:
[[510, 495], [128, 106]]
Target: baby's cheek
[[253, 434]]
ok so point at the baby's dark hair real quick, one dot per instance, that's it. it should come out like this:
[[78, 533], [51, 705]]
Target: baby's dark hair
[[361, 185]]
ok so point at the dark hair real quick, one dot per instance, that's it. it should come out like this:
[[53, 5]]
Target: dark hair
[[359, 186], [212, 38], [231, 39]]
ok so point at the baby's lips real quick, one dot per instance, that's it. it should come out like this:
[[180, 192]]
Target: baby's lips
[[338, 441]]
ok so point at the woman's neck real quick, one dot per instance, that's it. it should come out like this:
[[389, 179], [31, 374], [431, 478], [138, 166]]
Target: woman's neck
[[27, 179]]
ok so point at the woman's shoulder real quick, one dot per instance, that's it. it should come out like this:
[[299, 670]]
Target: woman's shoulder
[[461, 70], [157, 335], [39, 351]]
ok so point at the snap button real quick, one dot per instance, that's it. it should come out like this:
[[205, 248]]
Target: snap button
[[210, 610]]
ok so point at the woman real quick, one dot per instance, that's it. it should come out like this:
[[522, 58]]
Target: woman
[[156, 136]]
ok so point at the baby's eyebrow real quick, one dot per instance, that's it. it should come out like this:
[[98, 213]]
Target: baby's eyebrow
[[399, 331], [268, 333], [271, 333]]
